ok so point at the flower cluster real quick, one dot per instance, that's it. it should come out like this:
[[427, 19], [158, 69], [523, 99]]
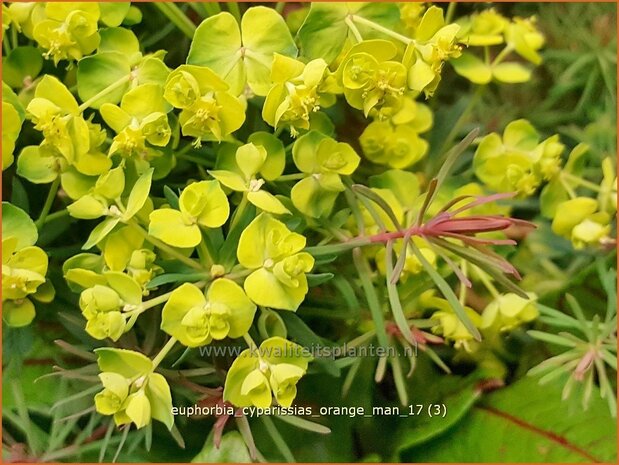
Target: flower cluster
[[489, 29], [212, 200], [132, 392], [518, 161], [271, 370], [24, 267]]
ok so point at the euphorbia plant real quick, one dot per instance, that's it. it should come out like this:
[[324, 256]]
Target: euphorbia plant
[[218, 198]]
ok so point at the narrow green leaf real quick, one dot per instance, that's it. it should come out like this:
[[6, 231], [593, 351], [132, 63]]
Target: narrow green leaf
[[304, 424], [447, 292], [378, 200]]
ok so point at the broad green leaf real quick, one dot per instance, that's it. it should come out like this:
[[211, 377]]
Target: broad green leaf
[[267, 202], [525, 422], [126, 287], [424, 428], [138, 195], [21, 64], [245, 55], [274, 165], [50, 88], [100, 231], [124, 362], [264, 33], [36, 166], [17, 223], [551, 196], [472, 68], [18, 313], [113, 13], [168, 225], [121, 40], [158, 393], [98, 72], [324, 31], [216, 44], [231, 450], [511, 73]]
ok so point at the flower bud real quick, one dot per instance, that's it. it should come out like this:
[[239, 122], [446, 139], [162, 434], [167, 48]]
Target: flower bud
[[99, 299]]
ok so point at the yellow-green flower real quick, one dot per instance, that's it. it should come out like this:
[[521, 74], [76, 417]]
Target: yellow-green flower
[[296, 92], [258, 374], [196, 320], [269, 248], [251, 160], [518, 161], [105, 306], [484, 28], [448, 324], [434, 43], [201, 203], [508, 311], [132, 393], [140, 119], [69, 30], [396, 146], [371, 80], [11, 126], [208, 110], [323, 160], [580, 221], [523, 35], [24, 267]]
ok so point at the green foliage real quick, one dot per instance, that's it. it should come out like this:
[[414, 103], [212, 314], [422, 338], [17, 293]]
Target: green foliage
[[523, 413], [289, 207]]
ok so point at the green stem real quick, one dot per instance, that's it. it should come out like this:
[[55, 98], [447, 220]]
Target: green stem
[[501, 56], [6, 45], [56, 215], [176, 16], [238, 274], [330, 249], [194, 159], [199, 8], [163, 352], [277, 438], [49, 201], [291, 177], [233, 7], [567, 187], [379, 28], [463, 288], [205, 256], [364, 272], [109, 89], [580, 181], [279, 7], [451, 10], [166, 248], [212, 8], [156, 301], [239, 211], [250, 342], [355, 31]]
